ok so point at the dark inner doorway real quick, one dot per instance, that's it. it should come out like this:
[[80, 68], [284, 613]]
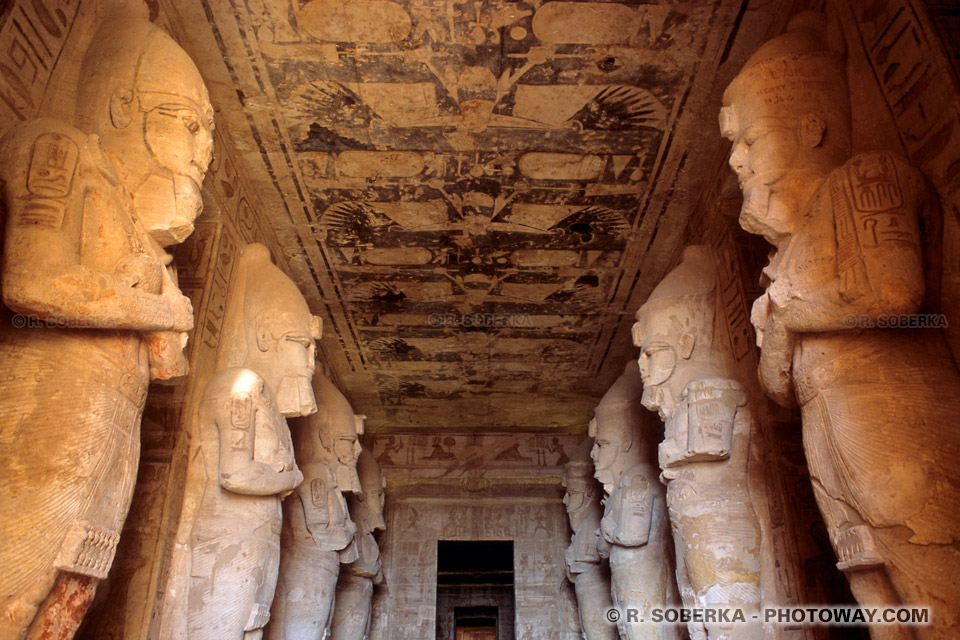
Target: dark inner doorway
[[475, 595]]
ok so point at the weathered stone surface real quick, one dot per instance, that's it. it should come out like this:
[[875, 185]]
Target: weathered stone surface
[[351, 613], [589, 573], [686, 373], [225, 565], [876, 399], [318, 532], [96, 312], [634, 526]]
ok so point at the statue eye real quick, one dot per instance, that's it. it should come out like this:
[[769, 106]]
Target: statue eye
[[192, 125]]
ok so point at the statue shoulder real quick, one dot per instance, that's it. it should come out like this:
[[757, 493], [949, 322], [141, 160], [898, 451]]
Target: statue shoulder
[[44, 143], [879, 181]]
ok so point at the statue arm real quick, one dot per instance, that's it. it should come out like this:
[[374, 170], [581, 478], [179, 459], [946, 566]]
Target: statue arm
[[776, 344], [239, 471], [876, 266], [42, 270]]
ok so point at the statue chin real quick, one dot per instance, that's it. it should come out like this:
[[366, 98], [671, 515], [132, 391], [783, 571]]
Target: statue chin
[[157, 197], [295, 397], [347, 479]]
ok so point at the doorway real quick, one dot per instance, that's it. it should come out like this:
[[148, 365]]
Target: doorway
[[475, 590]]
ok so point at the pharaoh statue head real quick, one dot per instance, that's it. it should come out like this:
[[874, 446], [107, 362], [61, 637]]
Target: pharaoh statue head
[[144, 98], [788, 116], [581, 491], [337, 428], [269, 329], [616, 429], [366, 508], [675, 332]]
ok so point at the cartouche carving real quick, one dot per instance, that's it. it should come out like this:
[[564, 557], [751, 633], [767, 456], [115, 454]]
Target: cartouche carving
[[880, 406], [264, 367], [99, 312], [688, 378], [351, 613], [634, 524], [318, 531], [588, 572]]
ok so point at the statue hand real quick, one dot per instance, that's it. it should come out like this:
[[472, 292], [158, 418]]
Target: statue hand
[[759, 315], [182, 310]]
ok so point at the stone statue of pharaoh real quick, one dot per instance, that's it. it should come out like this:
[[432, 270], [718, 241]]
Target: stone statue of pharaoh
[[98, 312], [634, 524], [264, 367], [351, 613], [880, 405], [588, 572], [318, 532], [687, 370]]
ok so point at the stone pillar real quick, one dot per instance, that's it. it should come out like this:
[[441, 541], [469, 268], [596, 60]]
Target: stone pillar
[[317, 532], [688, 377], [351, 613], [93, 312], [225, 563], [879, 394], [589, 573], [634, 524]]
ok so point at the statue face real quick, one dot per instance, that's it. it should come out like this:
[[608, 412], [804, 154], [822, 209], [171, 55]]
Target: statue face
[[347, 448], [658, 361], [180, 140], [296, 354], [766, 156], [576, 496], [604, 454], [374, 500]]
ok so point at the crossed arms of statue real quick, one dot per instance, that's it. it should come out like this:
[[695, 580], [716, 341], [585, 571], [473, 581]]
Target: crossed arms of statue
[[238, 422], [871, 265]]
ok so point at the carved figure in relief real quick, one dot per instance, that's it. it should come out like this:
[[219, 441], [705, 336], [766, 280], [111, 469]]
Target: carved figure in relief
[[880, 405], [634, 526], [318, 531], [89, 208], [687, 371], [351, 613], [232, 516], [589, 574]]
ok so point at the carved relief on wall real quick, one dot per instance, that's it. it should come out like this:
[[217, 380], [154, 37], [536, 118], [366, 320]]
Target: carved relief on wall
[[472, 455]]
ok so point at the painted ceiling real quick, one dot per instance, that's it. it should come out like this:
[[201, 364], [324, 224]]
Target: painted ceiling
[[475, 195]]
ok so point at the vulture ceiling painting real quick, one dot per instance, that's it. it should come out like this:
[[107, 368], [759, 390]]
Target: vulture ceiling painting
[[475, 195]]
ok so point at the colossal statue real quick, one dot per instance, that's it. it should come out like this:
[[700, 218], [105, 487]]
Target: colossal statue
[[318, 530], [688, 376], [351, 613], [880, 401], [92, 311], [634, 524], [226, 576], [588, 572]]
